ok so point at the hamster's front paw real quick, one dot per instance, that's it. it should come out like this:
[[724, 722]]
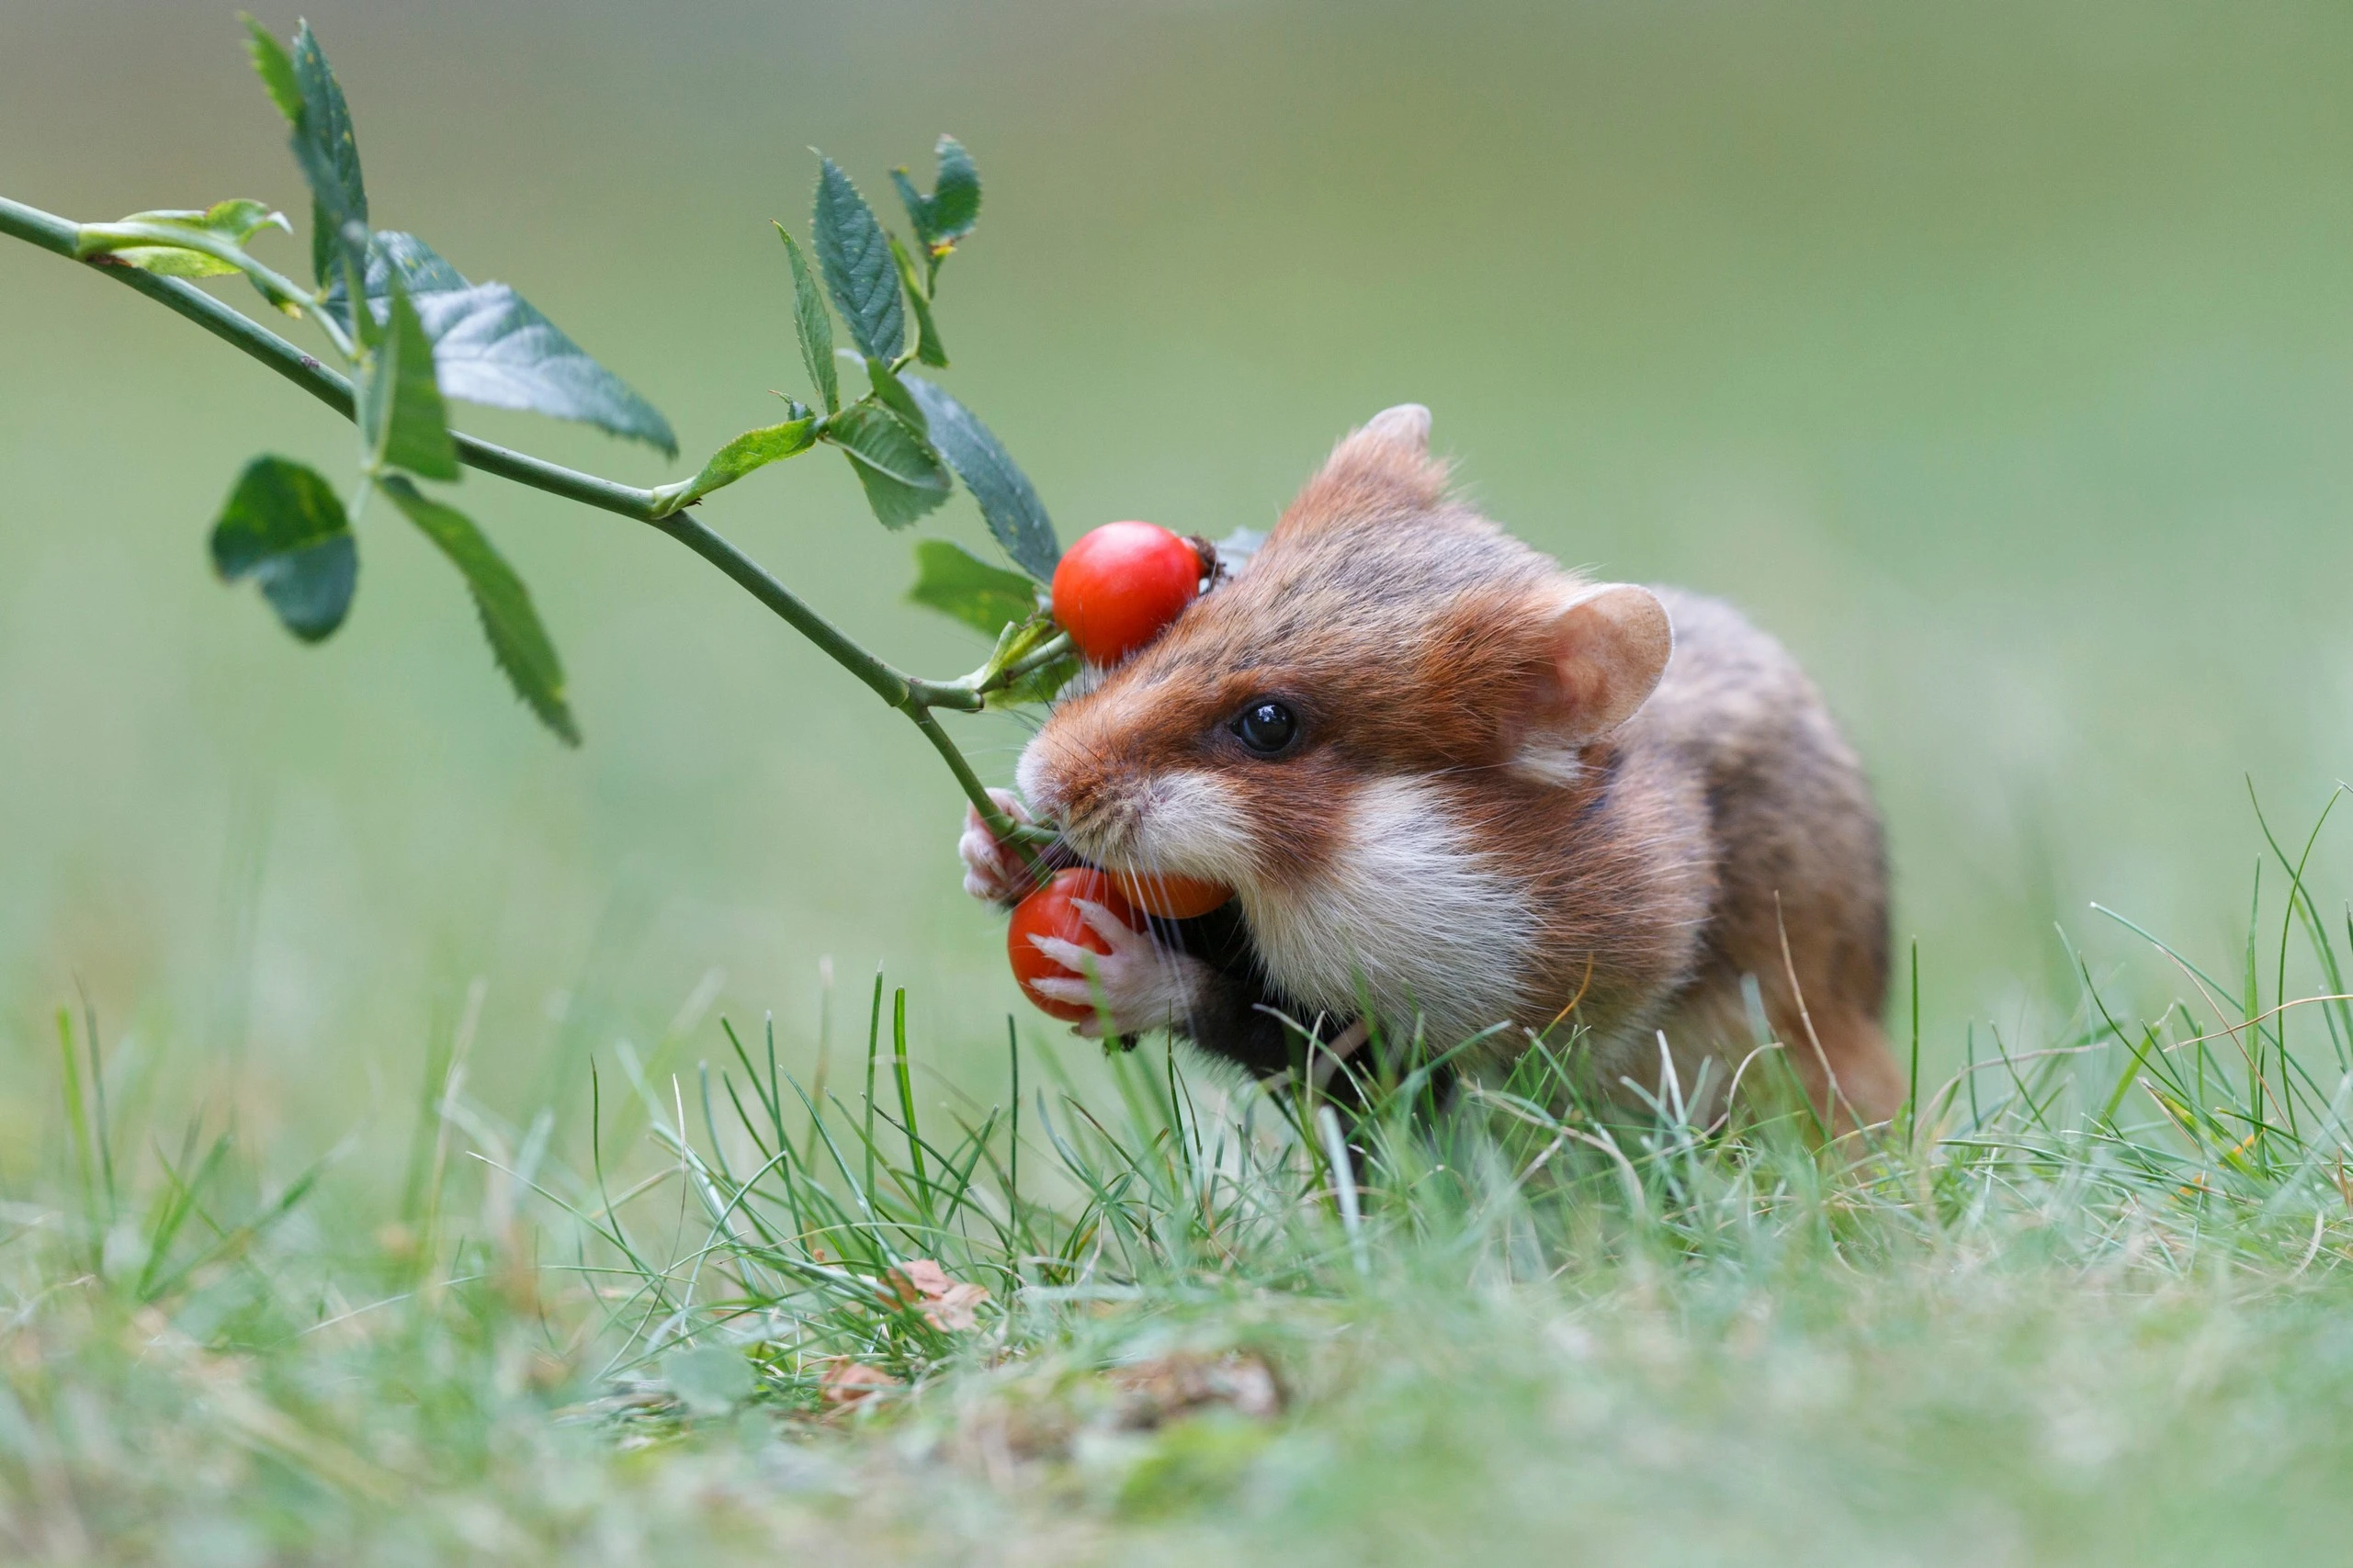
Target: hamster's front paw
[[1141, 983], [993, 871]]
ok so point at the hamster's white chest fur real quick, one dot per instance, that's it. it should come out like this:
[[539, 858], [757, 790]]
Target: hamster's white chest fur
[[1406, 912]]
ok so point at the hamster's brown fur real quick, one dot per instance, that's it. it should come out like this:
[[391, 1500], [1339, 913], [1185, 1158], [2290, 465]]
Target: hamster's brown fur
[[1507, 800]]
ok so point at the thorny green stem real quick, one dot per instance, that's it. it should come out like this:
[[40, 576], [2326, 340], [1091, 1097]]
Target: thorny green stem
[[909, 694]]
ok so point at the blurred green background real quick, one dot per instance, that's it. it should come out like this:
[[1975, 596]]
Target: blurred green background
[[1999, 357]]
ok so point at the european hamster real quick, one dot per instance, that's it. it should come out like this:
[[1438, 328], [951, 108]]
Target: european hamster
[[1451, 779]]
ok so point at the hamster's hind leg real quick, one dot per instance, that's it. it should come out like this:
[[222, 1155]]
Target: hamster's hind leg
[[1846, 1048]]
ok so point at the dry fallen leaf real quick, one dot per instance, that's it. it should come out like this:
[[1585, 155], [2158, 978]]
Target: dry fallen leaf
[[847, 1382], [949, 1305], [959, 1308], [919, 1279]]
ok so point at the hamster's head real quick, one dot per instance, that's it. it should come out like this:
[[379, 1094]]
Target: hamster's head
[[1385, 632]]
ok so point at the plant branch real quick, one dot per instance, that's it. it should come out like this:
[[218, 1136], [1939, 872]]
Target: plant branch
[[893, 686], [241, 331], [974, 791], [32, 225], [911, 695]]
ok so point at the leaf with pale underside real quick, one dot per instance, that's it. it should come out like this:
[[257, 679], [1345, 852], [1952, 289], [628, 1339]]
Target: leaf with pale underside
[[854, 255], [1008, 501], [492, 347], [904, 478], [284, 526], [518, 642]]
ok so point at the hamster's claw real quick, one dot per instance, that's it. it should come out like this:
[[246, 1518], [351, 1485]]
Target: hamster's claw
[[994, 873], [1078, 993], [1123, 937], [1142, 985]]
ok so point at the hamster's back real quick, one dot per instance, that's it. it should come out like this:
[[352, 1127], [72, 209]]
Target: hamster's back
[[1796, 844]]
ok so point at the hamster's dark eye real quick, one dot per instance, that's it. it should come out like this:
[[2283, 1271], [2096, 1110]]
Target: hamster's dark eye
[[1266, 728]]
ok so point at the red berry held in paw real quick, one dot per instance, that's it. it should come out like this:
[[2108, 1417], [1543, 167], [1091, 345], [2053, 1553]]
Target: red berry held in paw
[[1052, 911], [1120, 586]]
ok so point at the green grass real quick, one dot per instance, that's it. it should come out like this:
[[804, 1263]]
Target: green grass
[[2090, 1302], [1977, 351]]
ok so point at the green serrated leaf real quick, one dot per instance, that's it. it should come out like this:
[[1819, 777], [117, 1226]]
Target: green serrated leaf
[[812, 326], [952, 581], [143, 240], [854, 256], [928, 347], [753, 449], [918, 205], [892, 394], [328, 152], [492, 347], [904, 479], [949, 214], [1008, 501], [518, 642], [405, 422], [956, 195], [284, 526], [275, 70]]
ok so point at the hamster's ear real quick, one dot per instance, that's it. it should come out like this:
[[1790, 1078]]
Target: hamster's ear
[[1404, 429], [1605, 650], [1376, 472]]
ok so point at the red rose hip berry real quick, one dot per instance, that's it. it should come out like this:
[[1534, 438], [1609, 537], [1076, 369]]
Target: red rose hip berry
[[1052, 911], [1170, 897], [1120, 586]]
